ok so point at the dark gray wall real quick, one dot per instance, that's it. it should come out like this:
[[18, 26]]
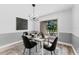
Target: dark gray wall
[[9, 38], [65, 37], [13, 37]]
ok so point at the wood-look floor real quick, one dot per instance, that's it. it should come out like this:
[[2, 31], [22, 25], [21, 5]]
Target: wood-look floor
[[18, 50], [68, 49]]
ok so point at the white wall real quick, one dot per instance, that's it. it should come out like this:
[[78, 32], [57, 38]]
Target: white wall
[[8, 14], [76, 20], [64, 20]]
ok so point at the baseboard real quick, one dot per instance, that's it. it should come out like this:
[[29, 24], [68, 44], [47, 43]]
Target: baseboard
[[8, 46], [74, 50], [64, 43]]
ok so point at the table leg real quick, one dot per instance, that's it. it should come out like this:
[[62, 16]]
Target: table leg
[[42, 47], [48, 41]]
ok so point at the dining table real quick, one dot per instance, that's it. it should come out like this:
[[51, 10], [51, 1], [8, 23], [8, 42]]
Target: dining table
[[42, 41]]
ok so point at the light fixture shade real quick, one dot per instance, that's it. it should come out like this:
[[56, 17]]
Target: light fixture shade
[[34, 18]]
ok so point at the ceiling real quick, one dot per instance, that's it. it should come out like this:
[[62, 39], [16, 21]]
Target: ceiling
[[44, 9], [27, 9]]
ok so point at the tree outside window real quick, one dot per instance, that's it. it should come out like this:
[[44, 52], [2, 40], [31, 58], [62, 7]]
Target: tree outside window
[[52, 26]]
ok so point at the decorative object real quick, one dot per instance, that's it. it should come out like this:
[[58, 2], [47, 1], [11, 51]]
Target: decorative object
[[21, 24]]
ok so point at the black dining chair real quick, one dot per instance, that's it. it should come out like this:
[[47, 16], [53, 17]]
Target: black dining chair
[[42, 35], [28, 44], [31, 35], [52, 47], [25, 33], [35, 33]]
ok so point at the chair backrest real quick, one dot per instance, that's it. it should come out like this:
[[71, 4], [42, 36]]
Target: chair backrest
[[25, 33], [54, 44], [31, 35], [42, 35], [26, 42], [35, 33]]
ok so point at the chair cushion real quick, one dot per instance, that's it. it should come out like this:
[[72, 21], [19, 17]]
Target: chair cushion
[[47, 48], [48, 44]]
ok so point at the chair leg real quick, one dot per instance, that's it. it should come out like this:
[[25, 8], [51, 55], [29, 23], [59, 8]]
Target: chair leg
[[36, 48], [54, 52], [40, 44], [29, 51], [51, 52], [24, 51]]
